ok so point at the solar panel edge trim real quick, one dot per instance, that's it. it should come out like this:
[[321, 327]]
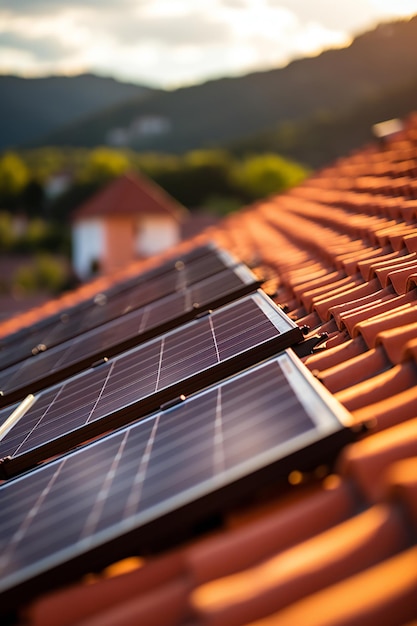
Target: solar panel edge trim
[[208, 503]]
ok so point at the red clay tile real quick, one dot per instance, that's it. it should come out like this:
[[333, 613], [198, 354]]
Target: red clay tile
[[333, 287], [380, 386], [397, 340], [371, 328], [355, 370], [79, 602], [383, 594], [276, 530], [340, 310], [338, 354], [163, 606], [327, 558], [383, 306], [388, 412], [410, 241], [368, 267], [325, 278], [397, 275], [402, 484], [366, 462], [356, 290]]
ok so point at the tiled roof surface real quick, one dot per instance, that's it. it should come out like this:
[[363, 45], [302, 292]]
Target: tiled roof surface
[[132, 195], [339, 253]]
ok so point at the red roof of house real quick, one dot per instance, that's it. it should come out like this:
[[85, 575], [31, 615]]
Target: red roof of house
[[340, 254], [130, 194]]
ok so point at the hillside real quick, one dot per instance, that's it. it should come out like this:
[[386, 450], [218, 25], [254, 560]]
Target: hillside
[[323, 137], [30, 108], [230, 109]]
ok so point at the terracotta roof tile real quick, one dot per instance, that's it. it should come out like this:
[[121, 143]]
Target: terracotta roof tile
[[381, 594], [366, 462], [355, 370], [394, 318], [388, 412], [129, 194], [380, 386], [310, 566]]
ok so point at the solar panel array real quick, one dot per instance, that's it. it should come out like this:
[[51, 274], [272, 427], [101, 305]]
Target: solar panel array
[[156, 460], [140, 380], [129, 489], [50, 366], [174, 275]]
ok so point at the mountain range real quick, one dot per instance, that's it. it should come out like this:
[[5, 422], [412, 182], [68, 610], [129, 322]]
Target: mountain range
[[376, 75], [31, 108]]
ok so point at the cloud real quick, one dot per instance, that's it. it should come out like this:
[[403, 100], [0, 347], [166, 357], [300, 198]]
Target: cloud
[[169, 42], [352, 16], [193, 28], [52, 7], [41, 49]]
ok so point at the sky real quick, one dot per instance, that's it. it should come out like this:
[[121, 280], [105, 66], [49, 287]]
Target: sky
[[170, 43]]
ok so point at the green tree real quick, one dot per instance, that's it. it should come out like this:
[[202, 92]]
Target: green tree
[[14, 175], [7, 238], [103, 164], [262, 175], [43, 274]]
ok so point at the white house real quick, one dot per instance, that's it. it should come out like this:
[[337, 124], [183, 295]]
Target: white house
[[130, 218]]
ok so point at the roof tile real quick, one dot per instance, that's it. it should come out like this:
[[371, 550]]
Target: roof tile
[[383, 594], [365, 462], [308, 567], [380, 386]]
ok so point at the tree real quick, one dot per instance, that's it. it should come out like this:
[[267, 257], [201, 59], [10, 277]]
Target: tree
[[103, 164], [44, 274], [262, 175], [14, 175]]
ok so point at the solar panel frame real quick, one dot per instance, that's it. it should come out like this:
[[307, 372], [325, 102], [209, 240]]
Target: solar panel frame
[[149, 529], [170, 276], [271, 333], [66, 359]]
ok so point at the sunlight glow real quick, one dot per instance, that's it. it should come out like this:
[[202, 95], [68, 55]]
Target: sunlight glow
[[174, 42], [396, 8]]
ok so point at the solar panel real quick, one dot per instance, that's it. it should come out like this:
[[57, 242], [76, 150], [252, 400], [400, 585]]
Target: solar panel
[[136, 488], [139, 381], [48, 367], [173, 275]]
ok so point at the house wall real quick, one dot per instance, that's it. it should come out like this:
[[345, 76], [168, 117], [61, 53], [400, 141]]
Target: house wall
[[156, 234], [120, 242], [88, 241], [113, 242]]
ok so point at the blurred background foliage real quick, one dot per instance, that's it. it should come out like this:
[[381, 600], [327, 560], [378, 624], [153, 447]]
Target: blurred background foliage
[[40, 188], [195, 179]]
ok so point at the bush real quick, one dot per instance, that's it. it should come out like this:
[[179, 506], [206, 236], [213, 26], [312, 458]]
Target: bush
[[265, 174], [44, 274]]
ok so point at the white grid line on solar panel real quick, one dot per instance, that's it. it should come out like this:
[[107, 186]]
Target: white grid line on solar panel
[[135, 374], [130, 325], [85, 317], [86, 498]]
